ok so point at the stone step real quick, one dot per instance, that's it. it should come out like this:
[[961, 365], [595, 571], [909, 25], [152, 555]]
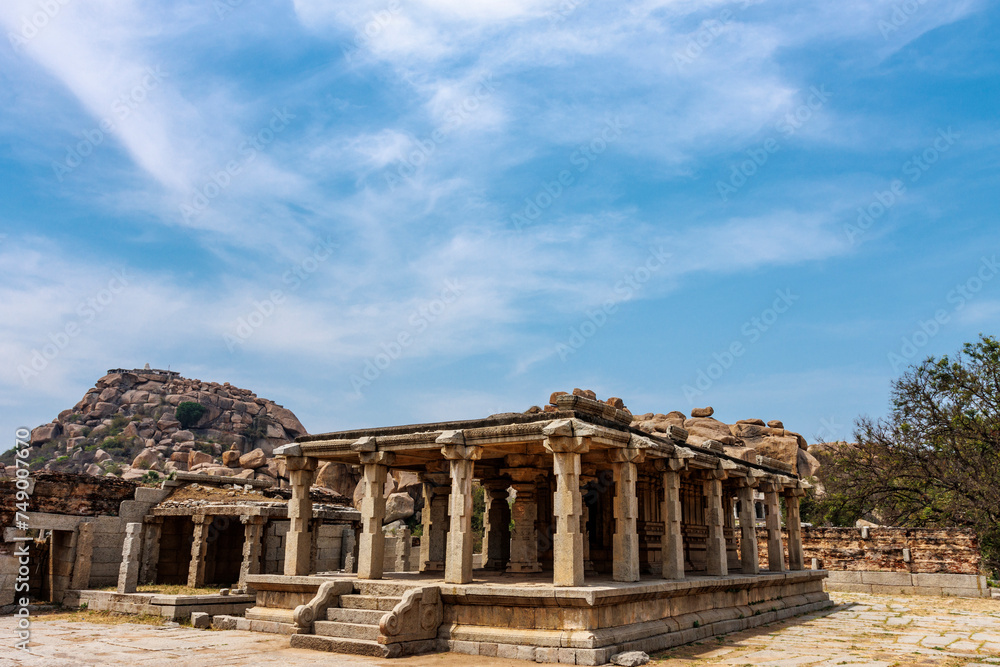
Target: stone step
[[341, 645], [382, 603], [382, 588], [359, 616], [346, 630]]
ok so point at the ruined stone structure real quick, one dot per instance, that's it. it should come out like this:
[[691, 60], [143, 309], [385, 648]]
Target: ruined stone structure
[[627, 538], [85, 533]]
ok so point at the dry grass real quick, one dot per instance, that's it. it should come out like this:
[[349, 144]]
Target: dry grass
[[105, 617], [205, 492]]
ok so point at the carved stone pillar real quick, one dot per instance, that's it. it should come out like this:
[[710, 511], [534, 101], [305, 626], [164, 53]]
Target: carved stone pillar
[[625, 542], [84, 557], [585, 481], [772, 517], [150, 549], [199, 547], [496, 533], [458, 562], [371, 546], [716, 562], [567, 545], [793, 522], [434, 516], [749, 561], [253, 542], [298, 541], [128, 571], [524, 539], [673, 538]]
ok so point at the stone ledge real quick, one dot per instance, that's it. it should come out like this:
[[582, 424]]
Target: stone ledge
[[562, 654], [905, 583]]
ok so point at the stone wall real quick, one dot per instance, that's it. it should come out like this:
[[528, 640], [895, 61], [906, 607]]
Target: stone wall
[[274, 547], [59, 504], [60, 493], [329, 547], [884, 549]]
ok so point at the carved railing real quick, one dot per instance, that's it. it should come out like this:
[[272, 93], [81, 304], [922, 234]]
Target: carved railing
[[328, 594], [416, 617]]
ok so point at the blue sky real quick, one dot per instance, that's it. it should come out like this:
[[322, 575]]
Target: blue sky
[[387, 212]]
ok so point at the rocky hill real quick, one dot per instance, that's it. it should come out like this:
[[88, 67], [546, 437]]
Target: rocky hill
[[128, 425]]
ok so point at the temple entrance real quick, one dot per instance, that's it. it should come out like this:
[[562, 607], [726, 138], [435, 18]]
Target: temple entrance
[[224, 552], [176, 537]]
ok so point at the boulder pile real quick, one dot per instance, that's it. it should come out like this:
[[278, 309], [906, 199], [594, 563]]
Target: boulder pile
[[743, 439], [127, 425]]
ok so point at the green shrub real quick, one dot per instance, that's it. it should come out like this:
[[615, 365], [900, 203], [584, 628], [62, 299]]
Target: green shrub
[[188, 413], [118, 424]]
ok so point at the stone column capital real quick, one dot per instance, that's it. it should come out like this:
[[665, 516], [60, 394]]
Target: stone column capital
[[301, 463], [253, 519], [377, 458], [202, 518], [561, 444], [626, 455], [462, 452]]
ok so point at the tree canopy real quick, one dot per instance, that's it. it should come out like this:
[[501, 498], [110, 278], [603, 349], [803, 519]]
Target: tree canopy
[[934, 461], [188, 413]]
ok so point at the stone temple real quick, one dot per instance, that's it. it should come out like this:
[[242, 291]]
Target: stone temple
[[599, 538]]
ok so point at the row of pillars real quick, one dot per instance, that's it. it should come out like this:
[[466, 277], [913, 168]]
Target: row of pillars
[[141, 551], [447, 516]]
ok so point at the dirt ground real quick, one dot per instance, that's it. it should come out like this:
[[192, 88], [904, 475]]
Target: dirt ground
[[861, 630]]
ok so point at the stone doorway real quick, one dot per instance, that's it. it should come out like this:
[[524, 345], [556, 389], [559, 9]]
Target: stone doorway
[[224, 552], [176, 537]]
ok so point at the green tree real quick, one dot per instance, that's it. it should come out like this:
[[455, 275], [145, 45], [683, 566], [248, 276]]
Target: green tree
[[934, 461], [188, 413]]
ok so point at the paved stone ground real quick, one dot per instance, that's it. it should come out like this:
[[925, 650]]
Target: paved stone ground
[[876, 630], [861, 630]]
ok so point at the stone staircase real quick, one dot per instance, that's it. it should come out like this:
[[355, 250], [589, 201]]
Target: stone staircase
[[379, 619]]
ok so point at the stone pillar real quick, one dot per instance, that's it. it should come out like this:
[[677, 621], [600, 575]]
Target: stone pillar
[[253, 543], [298, 541], [371, 546], [434, 516], [128, 571], [402, 561], [84, 557], [496, 533], [151, 550], [524, 539], [458, 561], [199, 547], [793, 522], [348, 559], [672, 546], [716, 562], [772, 516], [749, 561], [567, 507], [588, 564], [625, 542]]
